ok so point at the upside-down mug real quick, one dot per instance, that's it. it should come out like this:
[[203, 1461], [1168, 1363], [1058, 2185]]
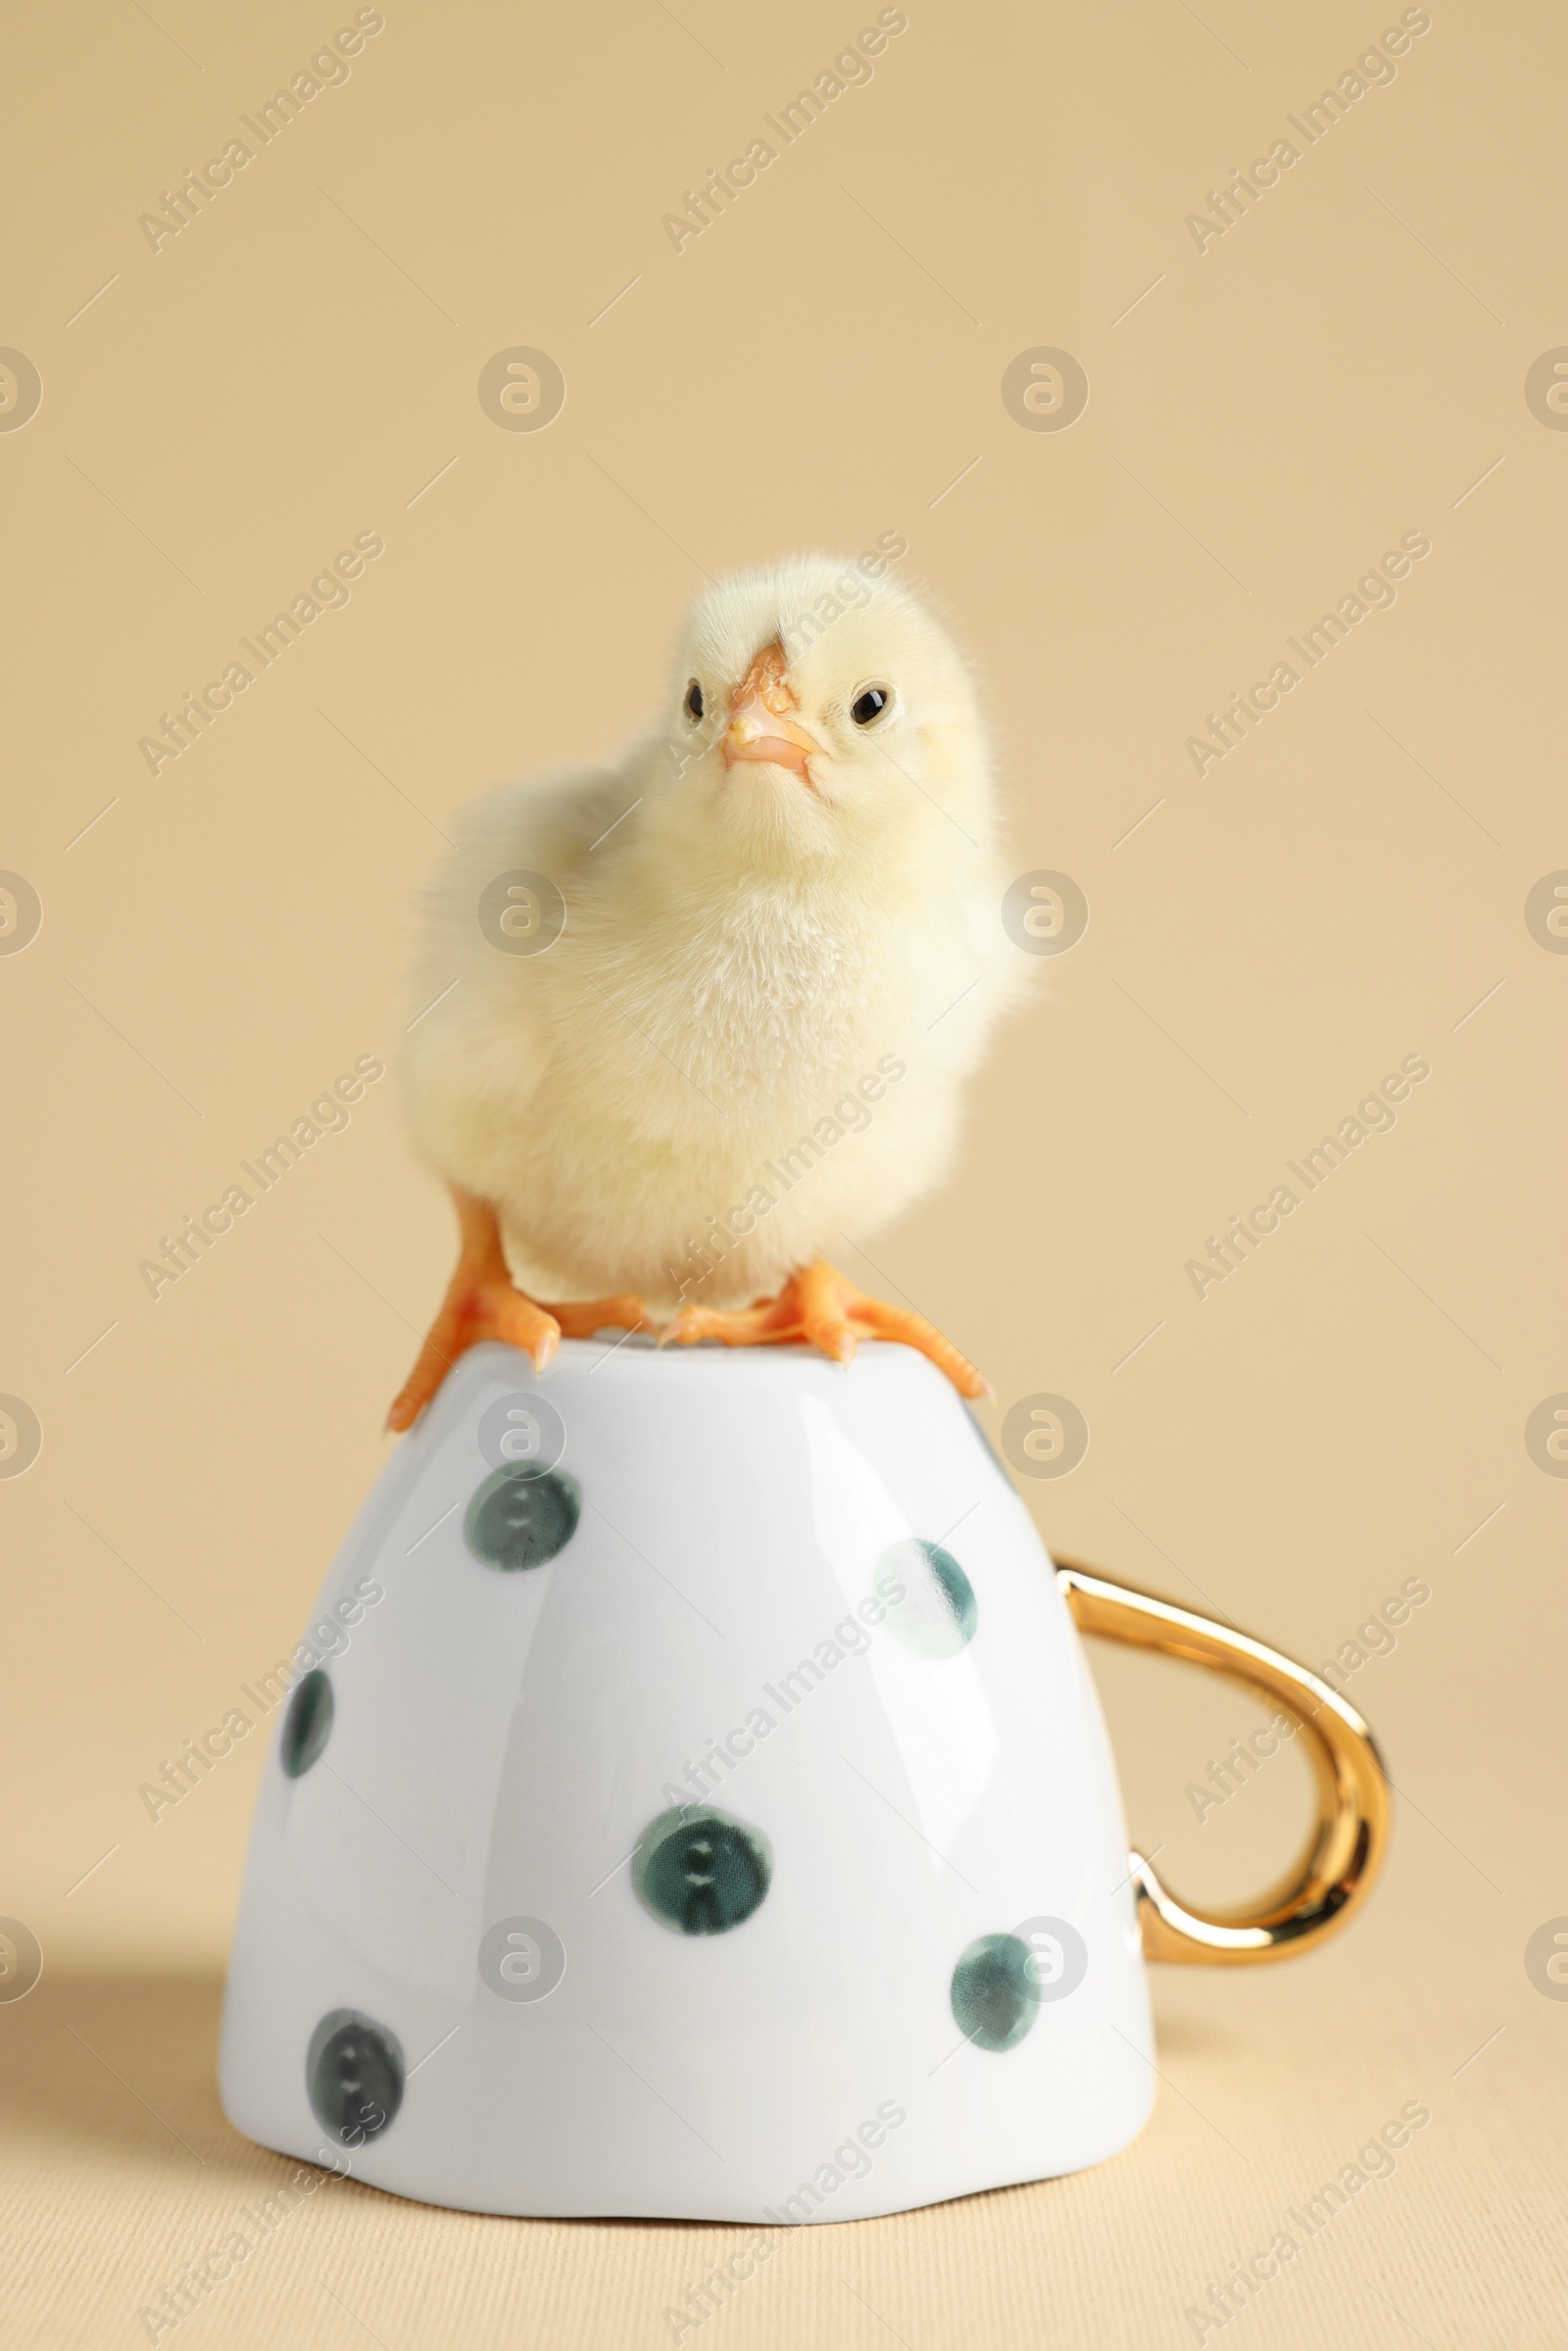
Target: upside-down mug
[[691, 1800]]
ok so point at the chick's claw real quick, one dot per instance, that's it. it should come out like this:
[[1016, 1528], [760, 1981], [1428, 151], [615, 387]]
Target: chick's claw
[[823, 1309]]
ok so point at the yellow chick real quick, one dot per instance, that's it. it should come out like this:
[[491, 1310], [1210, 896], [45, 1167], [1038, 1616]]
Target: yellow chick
[[698, 1016]]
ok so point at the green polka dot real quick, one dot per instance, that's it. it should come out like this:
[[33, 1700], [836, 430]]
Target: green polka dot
[[307, 1725], [701, 1872], [354, 2073], [994, 1998], [939, 1612], [519, 1519]]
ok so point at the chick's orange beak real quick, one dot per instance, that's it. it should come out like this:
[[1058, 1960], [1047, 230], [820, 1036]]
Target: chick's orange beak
[[761, 725]]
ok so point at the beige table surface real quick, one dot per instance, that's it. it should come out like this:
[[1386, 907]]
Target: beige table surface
[[1362, 352], [120, 2171]]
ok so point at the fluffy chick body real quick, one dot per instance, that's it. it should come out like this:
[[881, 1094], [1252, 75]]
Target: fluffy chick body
[[743, 947]]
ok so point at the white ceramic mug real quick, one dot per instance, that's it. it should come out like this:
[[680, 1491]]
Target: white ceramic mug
[[692, 1799]]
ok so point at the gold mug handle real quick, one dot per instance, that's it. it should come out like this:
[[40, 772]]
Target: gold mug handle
[[1350, 1833]]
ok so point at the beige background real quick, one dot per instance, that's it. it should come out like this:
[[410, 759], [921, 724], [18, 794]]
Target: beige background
[[297, 366]]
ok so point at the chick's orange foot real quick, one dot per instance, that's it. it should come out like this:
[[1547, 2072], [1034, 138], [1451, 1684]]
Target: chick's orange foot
[[483, 1302], [822, 1307], [494, 1308]]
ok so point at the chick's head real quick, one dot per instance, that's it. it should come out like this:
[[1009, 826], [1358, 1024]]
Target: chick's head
[[818, 712]]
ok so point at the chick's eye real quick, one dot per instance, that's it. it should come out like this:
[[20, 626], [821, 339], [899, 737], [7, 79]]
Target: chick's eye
[[870, 705], [694, 701]]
